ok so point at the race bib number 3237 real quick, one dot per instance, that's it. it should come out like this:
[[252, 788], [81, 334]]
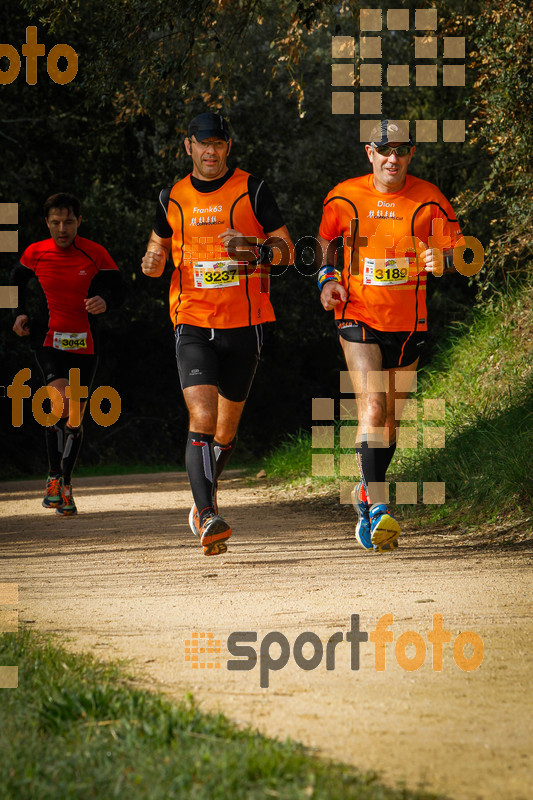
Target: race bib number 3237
[[216, 274]]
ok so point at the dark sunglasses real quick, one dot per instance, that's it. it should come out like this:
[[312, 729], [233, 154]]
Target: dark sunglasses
[[386, 149]]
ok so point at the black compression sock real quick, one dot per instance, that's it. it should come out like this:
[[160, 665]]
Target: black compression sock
[[384, 456], [372, 467], [200, 464], [55, 442], [222, 454], [73, 440]]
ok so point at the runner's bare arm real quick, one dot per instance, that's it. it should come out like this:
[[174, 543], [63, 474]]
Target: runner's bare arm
[[238, 245], [332, 292], [326, 251], [155, 258], [280, 241]]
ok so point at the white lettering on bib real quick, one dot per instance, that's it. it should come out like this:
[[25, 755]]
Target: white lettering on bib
[[216, 274], [69, 341], [386, 271]]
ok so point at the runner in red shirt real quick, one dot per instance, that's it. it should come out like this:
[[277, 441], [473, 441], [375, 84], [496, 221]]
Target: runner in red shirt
[[386, 220], [214, 223], [77, 281]]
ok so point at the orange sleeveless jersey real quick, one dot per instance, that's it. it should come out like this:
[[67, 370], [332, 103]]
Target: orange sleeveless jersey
[[388, 289], [197, 218]]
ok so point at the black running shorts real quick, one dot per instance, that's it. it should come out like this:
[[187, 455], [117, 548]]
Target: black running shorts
[[56, 364], [398, 349], [222, 357]]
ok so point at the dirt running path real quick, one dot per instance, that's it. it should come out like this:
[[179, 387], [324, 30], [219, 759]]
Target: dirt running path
[[127, 579]]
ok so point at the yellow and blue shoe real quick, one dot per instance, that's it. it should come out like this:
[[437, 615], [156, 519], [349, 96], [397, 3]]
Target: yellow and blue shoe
[[362, 527], [68, 506], [52, 493], [384, 530]]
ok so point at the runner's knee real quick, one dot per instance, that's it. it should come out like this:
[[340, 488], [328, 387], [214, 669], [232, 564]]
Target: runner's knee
[[203, 420], [226, 433], [375, 411]]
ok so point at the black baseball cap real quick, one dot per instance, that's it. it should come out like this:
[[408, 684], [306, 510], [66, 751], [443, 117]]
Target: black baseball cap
[[208, 125], [389, 131]]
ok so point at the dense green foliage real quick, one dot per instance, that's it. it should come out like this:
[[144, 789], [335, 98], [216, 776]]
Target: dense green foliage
[[113, 136], [76, 728], [502, 105]]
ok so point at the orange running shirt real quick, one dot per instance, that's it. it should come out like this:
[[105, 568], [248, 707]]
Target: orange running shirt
[[388, 289], [207, 289]]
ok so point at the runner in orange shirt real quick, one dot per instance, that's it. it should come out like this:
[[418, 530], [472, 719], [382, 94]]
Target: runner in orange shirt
[[214, 223], [395, 229]]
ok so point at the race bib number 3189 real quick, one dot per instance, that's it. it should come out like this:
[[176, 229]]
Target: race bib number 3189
[[386, 271]]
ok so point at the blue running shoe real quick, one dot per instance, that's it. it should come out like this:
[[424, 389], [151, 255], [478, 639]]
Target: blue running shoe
[[362, 528], [384, 530]]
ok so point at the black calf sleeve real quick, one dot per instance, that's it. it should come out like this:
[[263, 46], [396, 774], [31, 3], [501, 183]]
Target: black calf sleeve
[[385, 455], [373, 465], [55, 442], [200, 464], [222, 454], [369, 466], [73, 440]]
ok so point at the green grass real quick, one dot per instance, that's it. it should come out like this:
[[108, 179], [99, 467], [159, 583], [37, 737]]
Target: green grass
[[292, 459], [77, 728], [484, 373]]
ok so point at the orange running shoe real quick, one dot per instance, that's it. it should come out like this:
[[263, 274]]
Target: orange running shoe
[[52, 493], [213, 533], [68, 506], [194, 522]]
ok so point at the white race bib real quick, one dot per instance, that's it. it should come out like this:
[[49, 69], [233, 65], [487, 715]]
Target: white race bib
[[386, 271], [216, 274], [69, 341]]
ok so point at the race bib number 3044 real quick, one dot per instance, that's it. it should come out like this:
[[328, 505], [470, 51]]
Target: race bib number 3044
[[386, 271], [70, 341], [216, 274]]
